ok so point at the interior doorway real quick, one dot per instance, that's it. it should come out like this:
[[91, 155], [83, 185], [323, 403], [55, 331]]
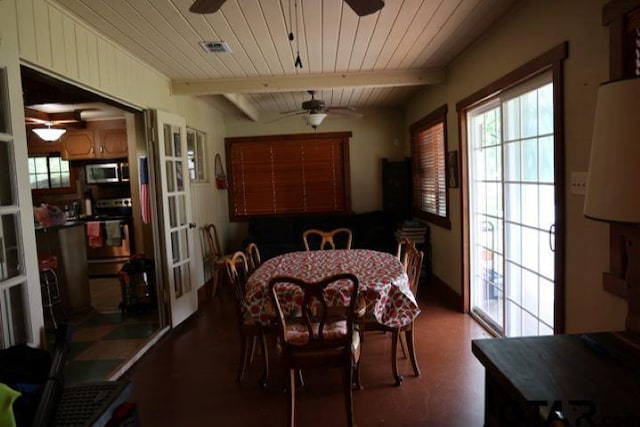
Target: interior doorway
[[113, 303]]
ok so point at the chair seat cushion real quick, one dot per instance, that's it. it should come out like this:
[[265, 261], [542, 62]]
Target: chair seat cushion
[[298, 334], [309, 356]]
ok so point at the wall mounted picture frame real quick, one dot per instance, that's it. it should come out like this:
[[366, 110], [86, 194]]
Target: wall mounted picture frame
[[452, 169]]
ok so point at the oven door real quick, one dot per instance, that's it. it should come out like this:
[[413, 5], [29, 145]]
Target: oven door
[[108, 258]]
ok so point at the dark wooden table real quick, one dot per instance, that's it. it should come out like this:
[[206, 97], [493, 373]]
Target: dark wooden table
[[587, 380]]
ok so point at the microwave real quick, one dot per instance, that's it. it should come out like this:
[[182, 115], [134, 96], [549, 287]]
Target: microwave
[[99, 173]]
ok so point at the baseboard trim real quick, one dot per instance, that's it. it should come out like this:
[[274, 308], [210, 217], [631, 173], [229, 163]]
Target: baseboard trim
[[444, 293]]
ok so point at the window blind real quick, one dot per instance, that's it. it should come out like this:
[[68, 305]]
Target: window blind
[[428, 148], [288, 174]]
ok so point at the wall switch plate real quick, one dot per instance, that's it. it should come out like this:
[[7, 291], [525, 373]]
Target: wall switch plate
[[579, 183]]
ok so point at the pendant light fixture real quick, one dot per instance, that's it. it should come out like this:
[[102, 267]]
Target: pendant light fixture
[[49, 134]]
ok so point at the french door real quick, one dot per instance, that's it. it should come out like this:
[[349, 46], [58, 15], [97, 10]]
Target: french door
[[510, 146], [174, 205], [21, 317]]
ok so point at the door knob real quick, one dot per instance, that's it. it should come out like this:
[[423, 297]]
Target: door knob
[[192, 225]]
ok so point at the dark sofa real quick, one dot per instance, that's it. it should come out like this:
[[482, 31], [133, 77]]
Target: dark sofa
[[278, 235]]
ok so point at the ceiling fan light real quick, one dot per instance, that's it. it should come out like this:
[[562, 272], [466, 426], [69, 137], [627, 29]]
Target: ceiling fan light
[[314, 119], [49, 134]]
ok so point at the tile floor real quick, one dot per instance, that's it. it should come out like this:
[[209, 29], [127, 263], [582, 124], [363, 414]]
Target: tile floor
[[102, 343], [104, 338]]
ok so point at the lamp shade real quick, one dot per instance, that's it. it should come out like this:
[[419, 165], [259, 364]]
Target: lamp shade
[[613, 183], [314, 119], [49, 134]]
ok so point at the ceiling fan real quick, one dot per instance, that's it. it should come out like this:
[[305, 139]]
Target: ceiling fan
[[316, 110], [360, 7], [35, 120]]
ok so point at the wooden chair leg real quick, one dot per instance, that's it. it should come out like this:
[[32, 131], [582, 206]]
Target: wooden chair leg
[[395, 336], [412, 351], [291, 399], [358, 383], [403, 346], [265, 361], [348, 397], [244, 350], [253, 349], [216, 281]]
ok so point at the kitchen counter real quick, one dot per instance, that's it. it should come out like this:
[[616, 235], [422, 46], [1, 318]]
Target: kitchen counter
[[67, 242], [72, 223]]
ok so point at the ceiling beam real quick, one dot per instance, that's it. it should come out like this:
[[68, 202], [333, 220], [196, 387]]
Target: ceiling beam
[[243, 105], [302, 82]]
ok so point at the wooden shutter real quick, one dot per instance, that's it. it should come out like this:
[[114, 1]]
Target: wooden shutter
[[428, 148], [288, 174]]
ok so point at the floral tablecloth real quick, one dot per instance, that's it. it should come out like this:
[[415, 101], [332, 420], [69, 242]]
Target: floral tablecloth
[[382, 278]]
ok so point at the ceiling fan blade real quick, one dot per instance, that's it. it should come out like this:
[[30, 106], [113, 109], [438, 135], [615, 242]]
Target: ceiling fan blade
[[206, 6], [365, 7], [285, 115], [343, 111], [292, 112]]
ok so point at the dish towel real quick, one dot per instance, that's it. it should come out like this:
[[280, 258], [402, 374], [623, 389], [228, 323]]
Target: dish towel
[[94, 234], [114, 233]]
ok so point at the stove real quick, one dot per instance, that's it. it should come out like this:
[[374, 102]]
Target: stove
[[120, 207], [107, 259]]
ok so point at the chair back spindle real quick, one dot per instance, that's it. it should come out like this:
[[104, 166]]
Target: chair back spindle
[[253, 257], [326, 238]]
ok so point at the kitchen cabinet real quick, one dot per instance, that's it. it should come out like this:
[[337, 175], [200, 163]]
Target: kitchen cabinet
[[78, 145], [112, 144], [95, 143]]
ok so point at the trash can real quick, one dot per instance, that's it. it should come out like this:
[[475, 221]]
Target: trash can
[[137, 285]]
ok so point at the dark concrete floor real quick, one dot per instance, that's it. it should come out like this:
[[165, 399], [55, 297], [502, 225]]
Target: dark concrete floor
[[189, 378]]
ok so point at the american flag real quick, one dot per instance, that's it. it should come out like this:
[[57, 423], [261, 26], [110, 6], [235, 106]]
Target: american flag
[[145, 205]]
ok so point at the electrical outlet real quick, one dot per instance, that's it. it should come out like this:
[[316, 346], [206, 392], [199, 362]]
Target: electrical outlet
[[579, 183]]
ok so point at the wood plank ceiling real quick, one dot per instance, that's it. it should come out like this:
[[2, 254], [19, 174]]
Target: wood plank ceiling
[[379, 60]]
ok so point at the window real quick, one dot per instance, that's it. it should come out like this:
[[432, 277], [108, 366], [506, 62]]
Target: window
[[197, 155], [428, 148], [288, 174], [49, 172]]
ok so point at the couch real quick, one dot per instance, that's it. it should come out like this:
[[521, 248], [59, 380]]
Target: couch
[[278, 235]]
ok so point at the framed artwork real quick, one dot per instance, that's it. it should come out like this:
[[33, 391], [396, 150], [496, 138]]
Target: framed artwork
[[452, 169]]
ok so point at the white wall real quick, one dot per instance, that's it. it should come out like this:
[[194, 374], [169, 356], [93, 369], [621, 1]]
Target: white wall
[[529, 29]]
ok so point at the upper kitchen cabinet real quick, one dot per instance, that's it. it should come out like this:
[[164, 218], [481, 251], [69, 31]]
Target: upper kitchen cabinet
[[78, 145], [101, 140], [113, 143]]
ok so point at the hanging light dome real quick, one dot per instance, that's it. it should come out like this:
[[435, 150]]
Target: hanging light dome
[[314, 119], [49, 134]]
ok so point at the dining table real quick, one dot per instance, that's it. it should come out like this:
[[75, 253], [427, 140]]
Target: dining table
[[382, 279]]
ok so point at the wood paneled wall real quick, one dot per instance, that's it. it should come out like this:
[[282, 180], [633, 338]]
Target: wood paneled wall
[[53, 40]]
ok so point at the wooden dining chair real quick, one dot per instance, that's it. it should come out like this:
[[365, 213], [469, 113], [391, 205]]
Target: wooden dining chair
[[236, 268], [413, 267], [216, 257], [253, 257], [318, 334], [401, 252], [326, 238]]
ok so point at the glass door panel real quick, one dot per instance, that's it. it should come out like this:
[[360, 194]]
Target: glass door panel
[[512, 210], [21, 316], [176, 208]]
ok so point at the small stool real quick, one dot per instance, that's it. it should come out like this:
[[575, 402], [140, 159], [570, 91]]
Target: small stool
[[47, 264]]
